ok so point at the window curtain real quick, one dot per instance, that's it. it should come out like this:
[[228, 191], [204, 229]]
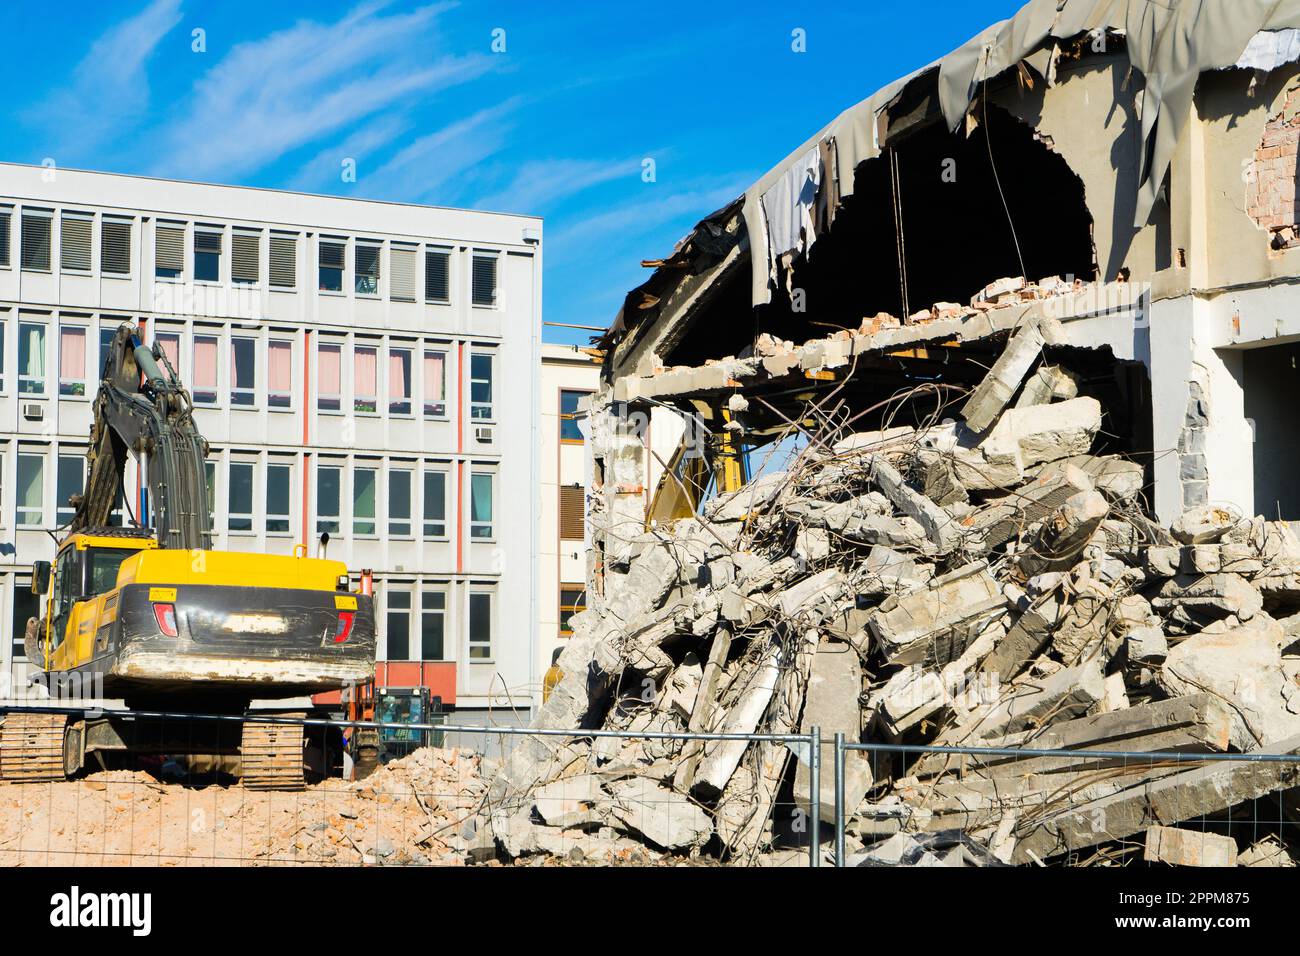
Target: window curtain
[[399, 376], [365, 369], [434, 380], [72, 355], [281, 367], [330, 368], [171, 346], [33, 352], [205, 363]]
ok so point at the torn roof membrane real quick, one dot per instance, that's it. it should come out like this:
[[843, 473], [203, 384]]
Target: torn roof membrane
[[1170, 42]]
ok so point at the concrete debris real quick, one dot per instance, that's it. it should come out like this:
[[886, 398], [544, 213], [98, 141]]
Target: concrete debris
[[993, 582], [1189, 847]]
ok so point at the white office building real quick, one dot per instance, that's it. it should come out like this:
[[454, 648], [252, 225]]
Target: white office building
[[366, 369]]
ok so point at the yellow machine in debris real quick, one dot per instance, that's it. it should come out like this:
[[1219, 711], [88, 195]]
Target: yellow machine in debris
[[157, 618]]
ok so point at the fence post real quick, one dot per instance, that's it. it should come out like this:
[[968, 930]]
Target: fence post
[[839, 799], [815, 797]]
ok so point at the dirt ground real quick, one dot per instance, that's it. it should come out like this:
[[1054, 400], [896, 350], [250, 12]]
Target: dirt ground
[[407, 813]]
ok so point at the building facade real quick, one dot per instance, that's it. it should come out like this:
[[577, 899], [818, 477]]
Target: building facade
[[348, 360], [569, 375]]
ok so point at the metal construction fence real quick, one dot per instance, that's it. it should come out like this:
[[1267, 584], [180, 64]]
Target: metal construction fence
[[606, 802]]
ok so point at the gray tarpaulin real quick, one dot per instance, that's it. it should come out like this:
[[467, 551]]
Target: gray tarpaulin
[[1171, 42]]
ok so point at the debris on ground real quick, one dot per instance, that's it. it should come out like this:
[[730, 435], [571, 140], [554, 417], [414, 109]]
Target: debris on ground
[[413, 811]]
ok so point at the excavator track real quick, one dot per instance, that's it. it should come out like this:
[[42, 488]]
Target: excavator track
[[31, 748], [271, 756]]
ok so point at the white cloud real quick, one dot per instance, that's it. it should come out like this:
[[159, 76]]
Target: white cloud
[[540, 184], [420, 170], [109, 89], [322, 172], [299, 86]]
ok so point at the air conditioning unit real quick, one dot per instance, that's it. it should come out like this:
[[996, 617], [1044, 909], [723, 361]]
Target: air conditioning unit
[[483, 433], [34, 411]]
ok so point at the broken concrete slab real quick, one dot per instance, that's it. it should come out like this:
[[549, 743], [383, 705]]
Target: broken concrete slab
[[934, 626], [1204, 525], [665, 817], [1172, 799], [568, 802], [995, 391], [1067, 694], [1049, 383], [831, 703], [999, 522], [1179, 847], [944, 533], [1043, 433], [1210, 597], [1193, 723], [1241, 666], [1060, 541]]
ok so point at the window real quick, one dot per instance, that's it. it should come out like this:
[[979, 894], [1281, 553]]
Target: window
[[31, 490], [278, 482], [331, 266], [25, 605], [480, 625], [365, 376], [240, 517], [366, 262], [169, 251], [31, 358], [36, 241], [2, 356], [279, 383], [480, 386], [210, 480], [205, 369], [363, 501], [573, 598], [399, 381], [480, 505], [433, 619], [399, 625], [485, 280], [72, 468], [329, 481], [207, 256], [245, 257], [399, 503], [243, 371], [171, 348], [72, 360], [569, 431], [401, 280], [115, 246], [435, 504], [437, 275], [106, 336], [435, 384], [6, 220], [572, 507], [74, 242], [329, 373], [284, 262]]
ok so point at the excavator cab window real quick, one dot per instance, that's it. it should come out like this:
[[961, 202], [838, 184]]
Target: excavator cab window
[[102, 565], [67, 590]]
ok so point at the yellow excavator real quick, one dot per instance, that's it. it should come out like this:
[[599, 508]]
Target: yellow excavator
[[154, 616]]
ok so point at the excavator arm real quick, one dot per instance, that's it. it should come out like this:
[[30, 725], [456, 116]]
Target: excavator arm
[[142, 409]]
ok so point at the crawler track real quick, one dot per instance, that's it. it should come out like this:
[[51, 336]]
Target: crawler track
[[31, 747], [271, 756]]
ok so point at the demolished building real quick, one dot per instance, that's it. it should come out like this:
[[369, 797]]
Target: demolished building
[[1016, 330]]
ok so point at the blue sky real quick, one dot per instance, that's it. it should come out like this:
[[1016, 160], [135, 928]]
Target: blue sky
[[557, 125]]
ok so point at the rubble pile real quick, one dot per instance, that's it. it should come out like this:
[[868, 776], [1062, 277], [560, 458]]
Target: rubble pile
[[412, 811], [986, 580]]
